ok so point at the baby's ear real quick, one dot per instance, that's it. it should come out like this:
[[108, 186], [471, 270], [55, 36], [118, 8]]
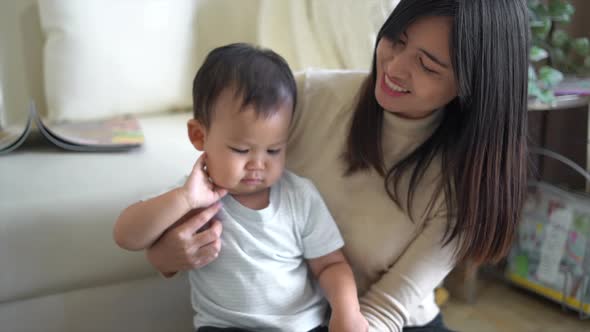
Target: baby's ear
[[196, 133]]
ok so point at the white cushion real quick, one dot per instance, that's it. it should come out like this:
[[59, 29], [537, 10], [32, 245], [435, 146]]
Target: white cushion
[[108, 57]]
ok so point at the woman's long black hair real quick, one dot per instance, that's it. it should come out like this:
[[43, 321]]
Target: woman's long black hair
[[481, 139]]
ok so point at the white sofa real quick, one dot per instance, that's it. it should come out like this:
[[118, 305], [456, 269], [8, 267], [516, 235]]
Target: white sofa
[[59, 267]]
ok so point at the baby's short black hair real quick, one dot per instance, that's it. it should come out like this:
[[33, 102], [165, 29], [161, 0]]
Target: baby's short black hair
[[259, 76]]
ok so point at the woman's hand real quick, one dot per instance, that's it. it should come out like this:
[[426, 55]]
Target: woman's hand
[[348, 322], [188, 244], [198, 190]]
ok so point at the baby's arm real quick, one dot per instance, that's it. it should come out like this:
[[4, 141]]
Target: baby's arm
[[321, 243], [337, 281], [142, 223]]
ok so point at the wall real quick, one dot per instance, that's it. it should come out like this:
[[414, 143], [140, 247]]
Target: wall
[[581, 21]]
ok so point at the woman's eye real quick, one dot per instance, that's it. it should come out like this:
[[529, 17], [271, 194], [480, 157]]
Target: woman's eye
[[240, 151], [273, 151], [428, 70]]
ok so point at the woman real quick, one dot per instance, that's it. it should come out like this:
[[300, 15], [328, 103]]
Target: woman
[[422, 161]]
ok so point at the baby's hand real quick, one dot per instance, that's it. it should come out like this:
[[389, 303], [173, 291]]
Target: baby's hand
[[348, 322], [198, 190]]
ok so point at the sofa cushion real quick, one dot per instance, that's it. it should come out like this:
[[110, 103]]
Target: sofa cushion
[[58, 209], [108, 57], [147, 305]]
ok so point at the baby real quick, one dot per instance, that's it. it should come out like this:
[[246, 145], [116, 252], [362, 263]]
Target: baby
[[279, 241]]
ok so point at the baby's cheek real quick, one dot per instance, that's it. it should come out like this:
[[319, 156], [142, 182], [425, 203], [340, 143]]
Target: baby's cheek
[[226, 175], [216, 173]]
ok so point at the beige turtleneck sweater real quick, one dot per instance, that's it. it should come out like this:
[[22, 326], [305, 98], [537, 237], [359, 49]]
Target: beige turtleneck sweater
[[397, 262]]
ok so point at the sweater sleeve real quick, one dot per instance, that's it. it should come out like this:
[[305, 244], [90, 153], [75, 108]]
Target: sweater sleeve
[[415, 275]]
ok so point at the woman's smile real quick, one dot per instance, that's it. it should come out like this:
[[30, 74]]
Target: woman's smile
[[392, 88]]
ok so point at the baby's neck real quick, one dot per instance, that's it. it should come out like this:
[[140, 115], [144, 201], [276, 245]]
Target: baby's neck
[[255, 201]]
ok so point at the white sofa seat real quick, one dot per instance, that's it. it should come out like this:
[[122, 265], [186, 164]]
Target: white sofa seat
[[150, 304], [57, 214]]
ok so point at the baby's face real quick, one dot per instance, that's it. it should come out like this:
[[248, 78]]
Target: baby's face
[[246, 152]]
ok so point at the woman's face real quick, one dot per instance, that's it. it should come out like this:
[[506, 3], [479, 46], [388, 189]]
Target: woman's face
[[414, 73]]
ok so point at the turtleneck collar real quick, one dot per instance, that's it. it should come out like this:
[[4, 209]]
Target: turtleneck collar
[[402, 135]]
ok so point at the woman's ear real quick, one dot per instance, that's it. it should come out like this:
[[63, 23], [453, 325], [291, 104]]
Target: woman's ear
[[196, 133]]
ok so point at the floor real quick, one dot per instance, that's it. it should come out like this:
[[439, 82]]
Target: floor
[[501, 307]]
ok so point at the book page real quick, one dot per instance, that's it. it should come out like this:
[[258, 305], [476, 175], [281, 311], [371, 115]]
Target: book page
[[12, 137], [9, 135], [112, 132], [116, 134]]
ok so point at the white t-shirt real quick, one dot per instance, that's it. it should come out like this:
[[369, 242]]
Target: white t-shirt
[[261, 281]]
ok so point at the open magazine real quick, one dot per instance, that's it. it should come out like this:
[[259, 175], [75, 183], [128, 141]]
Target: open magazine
[[115, 134]]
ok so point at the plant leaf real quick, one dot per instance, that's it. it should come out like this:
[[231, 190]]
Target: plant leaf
[[540, 27], [581, 46], [560, 38], [534, 89], [560, 10], [537, 54], [539, 9], [549, 76], [532, 74], [546, 96], [558, 57]]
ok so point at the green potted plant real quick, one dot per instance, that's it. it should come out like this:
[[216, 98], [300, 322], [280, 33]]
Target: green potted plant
[[553, 51]]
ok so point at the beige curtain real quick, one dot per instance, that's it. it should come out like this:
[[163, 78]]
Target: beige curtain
[[308, 33], [327, 33]]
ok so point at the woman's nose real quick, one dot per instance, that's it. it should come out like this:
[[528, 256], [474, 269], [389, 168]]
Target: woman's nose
[[399, 66]]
